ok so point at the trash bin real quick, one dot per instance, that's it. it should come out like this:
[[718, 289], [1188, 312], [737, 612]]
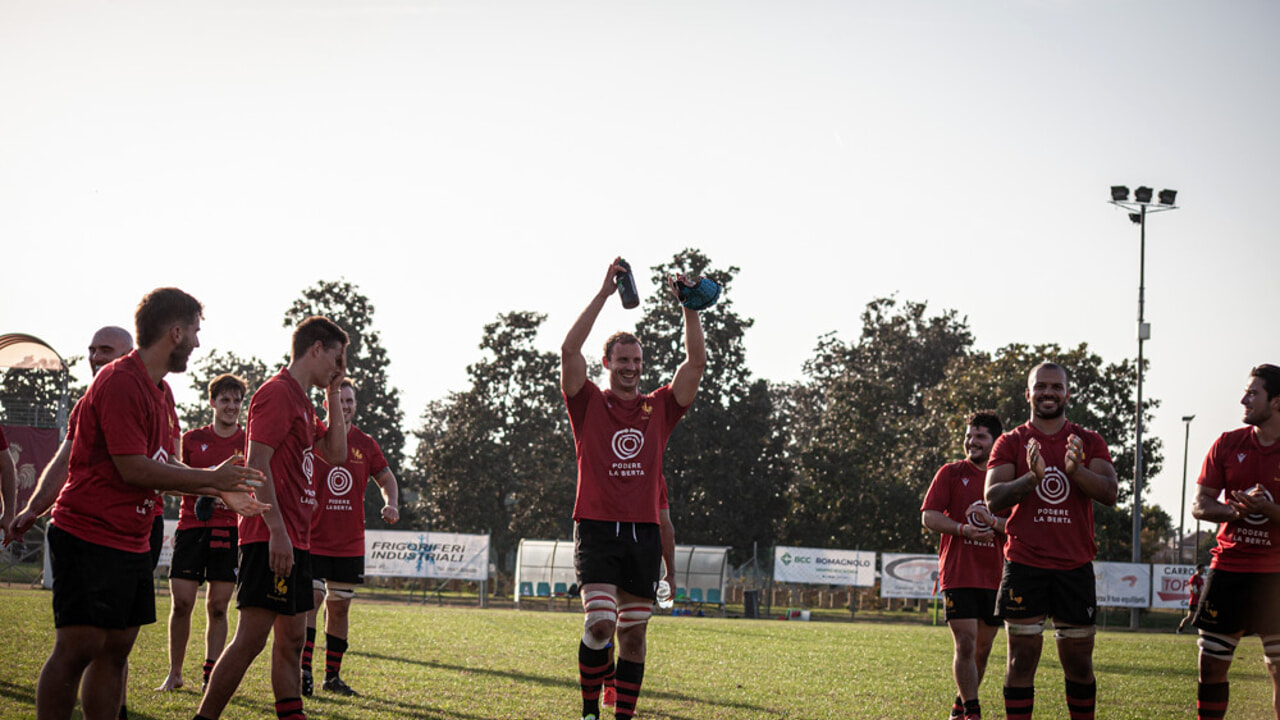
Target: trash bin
[[751, 604]]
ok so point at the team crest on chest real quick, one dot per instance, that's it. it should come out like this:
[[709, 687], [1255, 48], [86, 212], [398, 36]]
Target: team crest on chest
[[1240, 457], [355, 453]]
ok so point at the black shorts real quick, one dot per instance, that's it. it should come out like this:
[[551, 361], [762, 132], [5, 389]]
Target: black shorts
[[628, 555], [338, 569], [204, 553], [260, 588], [157, 541], [971, 604], [1068, 596], [1234, 602], [99, 586]]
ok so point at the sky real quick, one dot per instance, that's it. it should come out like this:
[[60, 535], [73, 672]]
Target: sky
[[458, 160]]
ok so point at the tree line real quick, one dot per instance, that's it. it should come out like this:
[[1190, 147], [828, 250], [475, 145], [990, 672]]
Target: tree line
[[839, 459]]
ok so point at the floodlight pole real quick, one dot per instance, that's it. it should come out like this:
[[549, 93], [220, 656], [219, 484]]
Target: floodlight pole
[[1182, 514], [1139, 215]]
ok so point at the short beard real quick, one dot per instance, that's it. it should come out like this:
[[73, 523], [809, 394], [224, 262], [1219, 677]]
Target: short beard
[[178, 359], [1053, 415]]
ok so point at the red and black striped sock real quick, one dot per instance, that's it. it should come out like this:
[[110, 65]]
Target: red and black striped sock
[[1019, 702], [334, 647], [290, 709], [1081, 698], [592, 665], [308, 649], [207, 670], [1211, 700], [957, 707], [972, 707], [627, 680]]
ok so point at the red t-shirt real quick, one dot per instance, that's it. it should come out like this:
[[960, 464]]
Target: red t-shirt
[[956, 491], [1053, 526], [4, 444], [204, 448], [282, 417], [1195, 585], [619, 445], [337, 526], [1237, 462], [123, 413]]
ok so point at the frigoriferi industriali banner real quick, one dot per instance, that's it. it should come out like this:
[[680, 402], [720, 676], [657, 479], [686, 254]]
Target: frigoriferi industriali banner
[[446, 556]]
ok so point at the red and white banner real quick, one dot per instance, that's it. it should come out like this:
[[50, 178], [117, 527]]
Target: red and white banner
[[1169, 587], [32, 449], [1123, 584]]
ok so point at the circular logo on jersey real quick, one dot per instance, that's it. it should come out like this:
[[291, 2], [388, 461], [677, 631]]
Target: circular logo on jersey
[[627, 443], [1258, 518], [1055, 487], [976, 519], [308, 464], [340, 481]]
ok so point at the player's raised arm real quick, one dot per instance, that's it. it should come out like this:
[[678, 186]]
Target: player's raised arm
[[573, 365], [332, 446], [684, 386]]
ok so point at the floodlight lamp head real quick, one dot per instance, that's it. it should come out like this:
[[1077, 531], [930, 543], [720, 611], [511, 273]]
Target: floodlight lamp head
[[1142, 194], [1167, 196], [1136, 218], [1119, 193], [1188, 418]]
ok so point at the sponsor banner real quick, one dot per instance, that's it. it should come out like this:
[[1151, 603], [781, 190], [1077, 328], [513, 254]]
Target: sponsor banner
[[31, 449], [907, 575], [1170, 586], [814, 566], [1123, 584], [446, 556]]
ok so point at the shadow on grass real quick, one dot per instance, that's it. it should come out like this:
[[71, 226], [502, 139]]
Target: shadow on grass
[[569, 685], [22, 694]]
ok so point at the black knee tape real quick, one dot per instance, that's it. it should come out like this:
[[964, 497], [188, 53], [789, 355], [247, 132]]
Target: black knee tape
[[1082, 690]]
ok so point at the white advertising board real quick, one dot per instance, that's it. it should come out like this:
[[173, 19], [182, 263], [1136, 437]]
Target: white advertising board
[[446, 556], [1169, 586], [815, 566], [907, 575], [1123, 584]]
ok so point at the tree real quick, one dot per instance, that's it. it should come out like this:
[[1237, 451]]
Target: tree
[[865, 448], [30, 397], [498, 456], [725, 463], [378, 410], [251, 369]]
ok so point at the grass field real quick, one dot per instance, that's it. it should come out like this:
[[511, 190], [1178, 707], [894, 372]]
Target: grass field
[[450, 663]]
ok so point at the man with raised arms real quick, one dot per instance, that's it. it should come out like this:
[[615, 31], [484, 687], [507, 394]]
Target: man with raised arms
[[1050, 471], [970, 559], [337, 541], [274, 592], [1239, 484], [619, 438], [122, 457], [204, 546]]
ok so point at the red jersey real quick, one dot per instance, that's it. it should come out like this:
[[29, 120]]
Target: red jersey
[[282, 417], [1052, 527], [4, 444], [1195, 585], [204, 448], [619, 445], [956, 491], [1237, 462], [123, 413], [337, 526]]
